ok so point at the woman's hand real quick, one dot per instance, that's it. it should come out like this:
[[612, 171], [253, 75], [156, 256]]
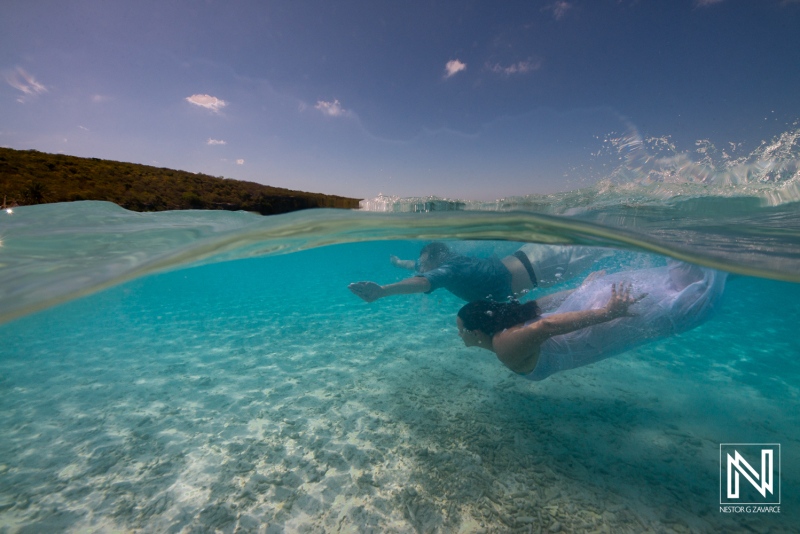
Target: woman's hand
[[621, 300]]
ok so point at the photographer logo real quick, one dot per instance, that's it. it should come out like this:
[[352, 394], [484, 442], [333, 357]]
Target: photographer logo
[[749, 474]]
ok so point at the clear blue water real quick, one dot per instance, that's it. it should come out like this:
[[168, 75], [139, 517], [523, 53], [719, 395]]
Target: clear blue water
[[148, 385]]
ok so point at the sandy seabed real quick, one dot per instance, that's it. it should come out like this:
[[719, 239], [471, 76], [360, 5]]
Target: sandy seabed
[[175, 420]]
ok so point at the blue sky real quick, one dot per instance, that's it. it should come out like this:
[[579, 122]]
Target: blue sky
[[476, 100]]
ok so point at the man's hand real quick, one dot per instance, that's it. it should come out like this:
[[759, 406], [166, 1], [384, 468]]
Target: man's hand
[[403, 264], [368, 291]]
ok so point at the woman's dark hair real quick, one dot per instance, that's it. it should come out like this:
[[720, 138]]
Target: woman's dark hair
[[491, 317], [436, 250]]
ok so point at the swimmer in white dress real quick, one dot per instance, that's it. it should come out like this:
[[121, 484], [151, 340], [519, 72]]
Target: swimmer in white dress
[[606, 315]]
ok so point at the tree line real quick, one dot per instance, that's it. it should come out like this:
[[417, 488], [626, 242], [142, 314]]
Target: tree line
[[30, 177]]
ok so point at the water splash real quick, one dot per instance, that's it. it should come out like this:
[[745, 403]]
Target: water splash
[[650, 172]]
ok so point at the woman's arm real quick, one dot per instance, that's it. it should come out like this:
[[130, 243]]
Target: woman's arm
[[518, 347], [563, 323]]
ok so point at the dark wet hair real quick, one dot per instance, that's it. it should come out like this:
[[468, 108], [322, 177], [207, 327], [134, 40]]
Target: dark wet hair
[[491, 317], [436, 251]]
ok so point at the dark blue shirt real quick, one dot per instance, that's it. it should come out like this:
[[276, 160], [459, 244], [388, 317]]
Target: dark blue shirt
[[471, 278]]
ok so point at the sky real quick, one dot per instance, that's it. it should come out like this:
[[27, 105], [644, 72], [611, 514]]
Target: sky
[[469, 99]]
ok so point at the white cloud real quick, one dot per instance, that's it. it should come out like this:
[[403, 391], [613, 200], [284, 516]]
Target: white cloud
[[207, 101], [706, 3], [521, 67], [22, 81], [331, 109], [453, 67], [559, 9], [240, 162], [216, 142], [99, 99]]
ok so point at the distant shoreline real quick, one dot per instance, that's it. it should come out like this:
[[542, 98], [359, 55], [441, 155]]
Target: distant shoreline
[[30, 177]]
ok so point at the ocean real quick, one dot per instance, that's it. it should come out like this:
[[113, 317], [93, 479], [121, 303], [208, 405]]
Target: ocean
[[205, 371]]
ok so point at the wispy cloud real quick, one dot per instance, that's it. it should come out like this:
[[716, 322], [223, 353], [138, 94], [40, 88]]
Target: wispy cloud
[[521, 67], [706, 3], [19, 79], [207, 101], [331, 109], [559, 9], [453, 67], [99, 99], [216, 142]]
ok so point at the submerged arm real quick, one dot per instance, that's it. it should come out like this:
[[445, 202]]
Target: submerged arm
[[403, 264], [518, 347], [370, 291], [563, 323]]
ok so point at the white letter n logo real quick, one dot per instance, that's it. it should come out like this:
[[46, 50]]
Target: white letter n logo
[[766, 484], [738, 465]]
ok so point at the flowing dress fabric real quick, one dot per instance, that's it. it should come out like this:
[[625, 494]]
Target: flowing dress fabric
[[555, 263], [667, 309]]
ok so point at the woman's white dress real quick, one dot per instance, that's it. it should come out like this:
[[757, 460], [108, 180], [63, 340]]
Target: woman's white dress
[[668, 309]]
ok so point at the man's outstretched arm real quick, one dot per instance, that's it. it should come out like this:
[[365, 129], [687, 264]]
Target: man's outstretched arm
[[370, 291]]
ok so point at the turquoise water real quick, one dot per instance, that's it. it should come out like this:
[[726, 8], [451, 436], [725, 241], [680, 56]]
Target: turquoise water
[[201, 371], [261, 391]]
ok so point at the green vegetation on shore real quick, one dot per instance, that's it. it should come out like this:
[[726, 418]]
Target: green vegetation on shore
[[30, 177]]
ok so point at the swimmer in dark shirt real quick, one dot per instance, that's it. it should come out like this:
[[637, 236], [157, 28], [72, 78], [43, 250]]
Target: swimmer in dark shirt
[[472, 279]]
